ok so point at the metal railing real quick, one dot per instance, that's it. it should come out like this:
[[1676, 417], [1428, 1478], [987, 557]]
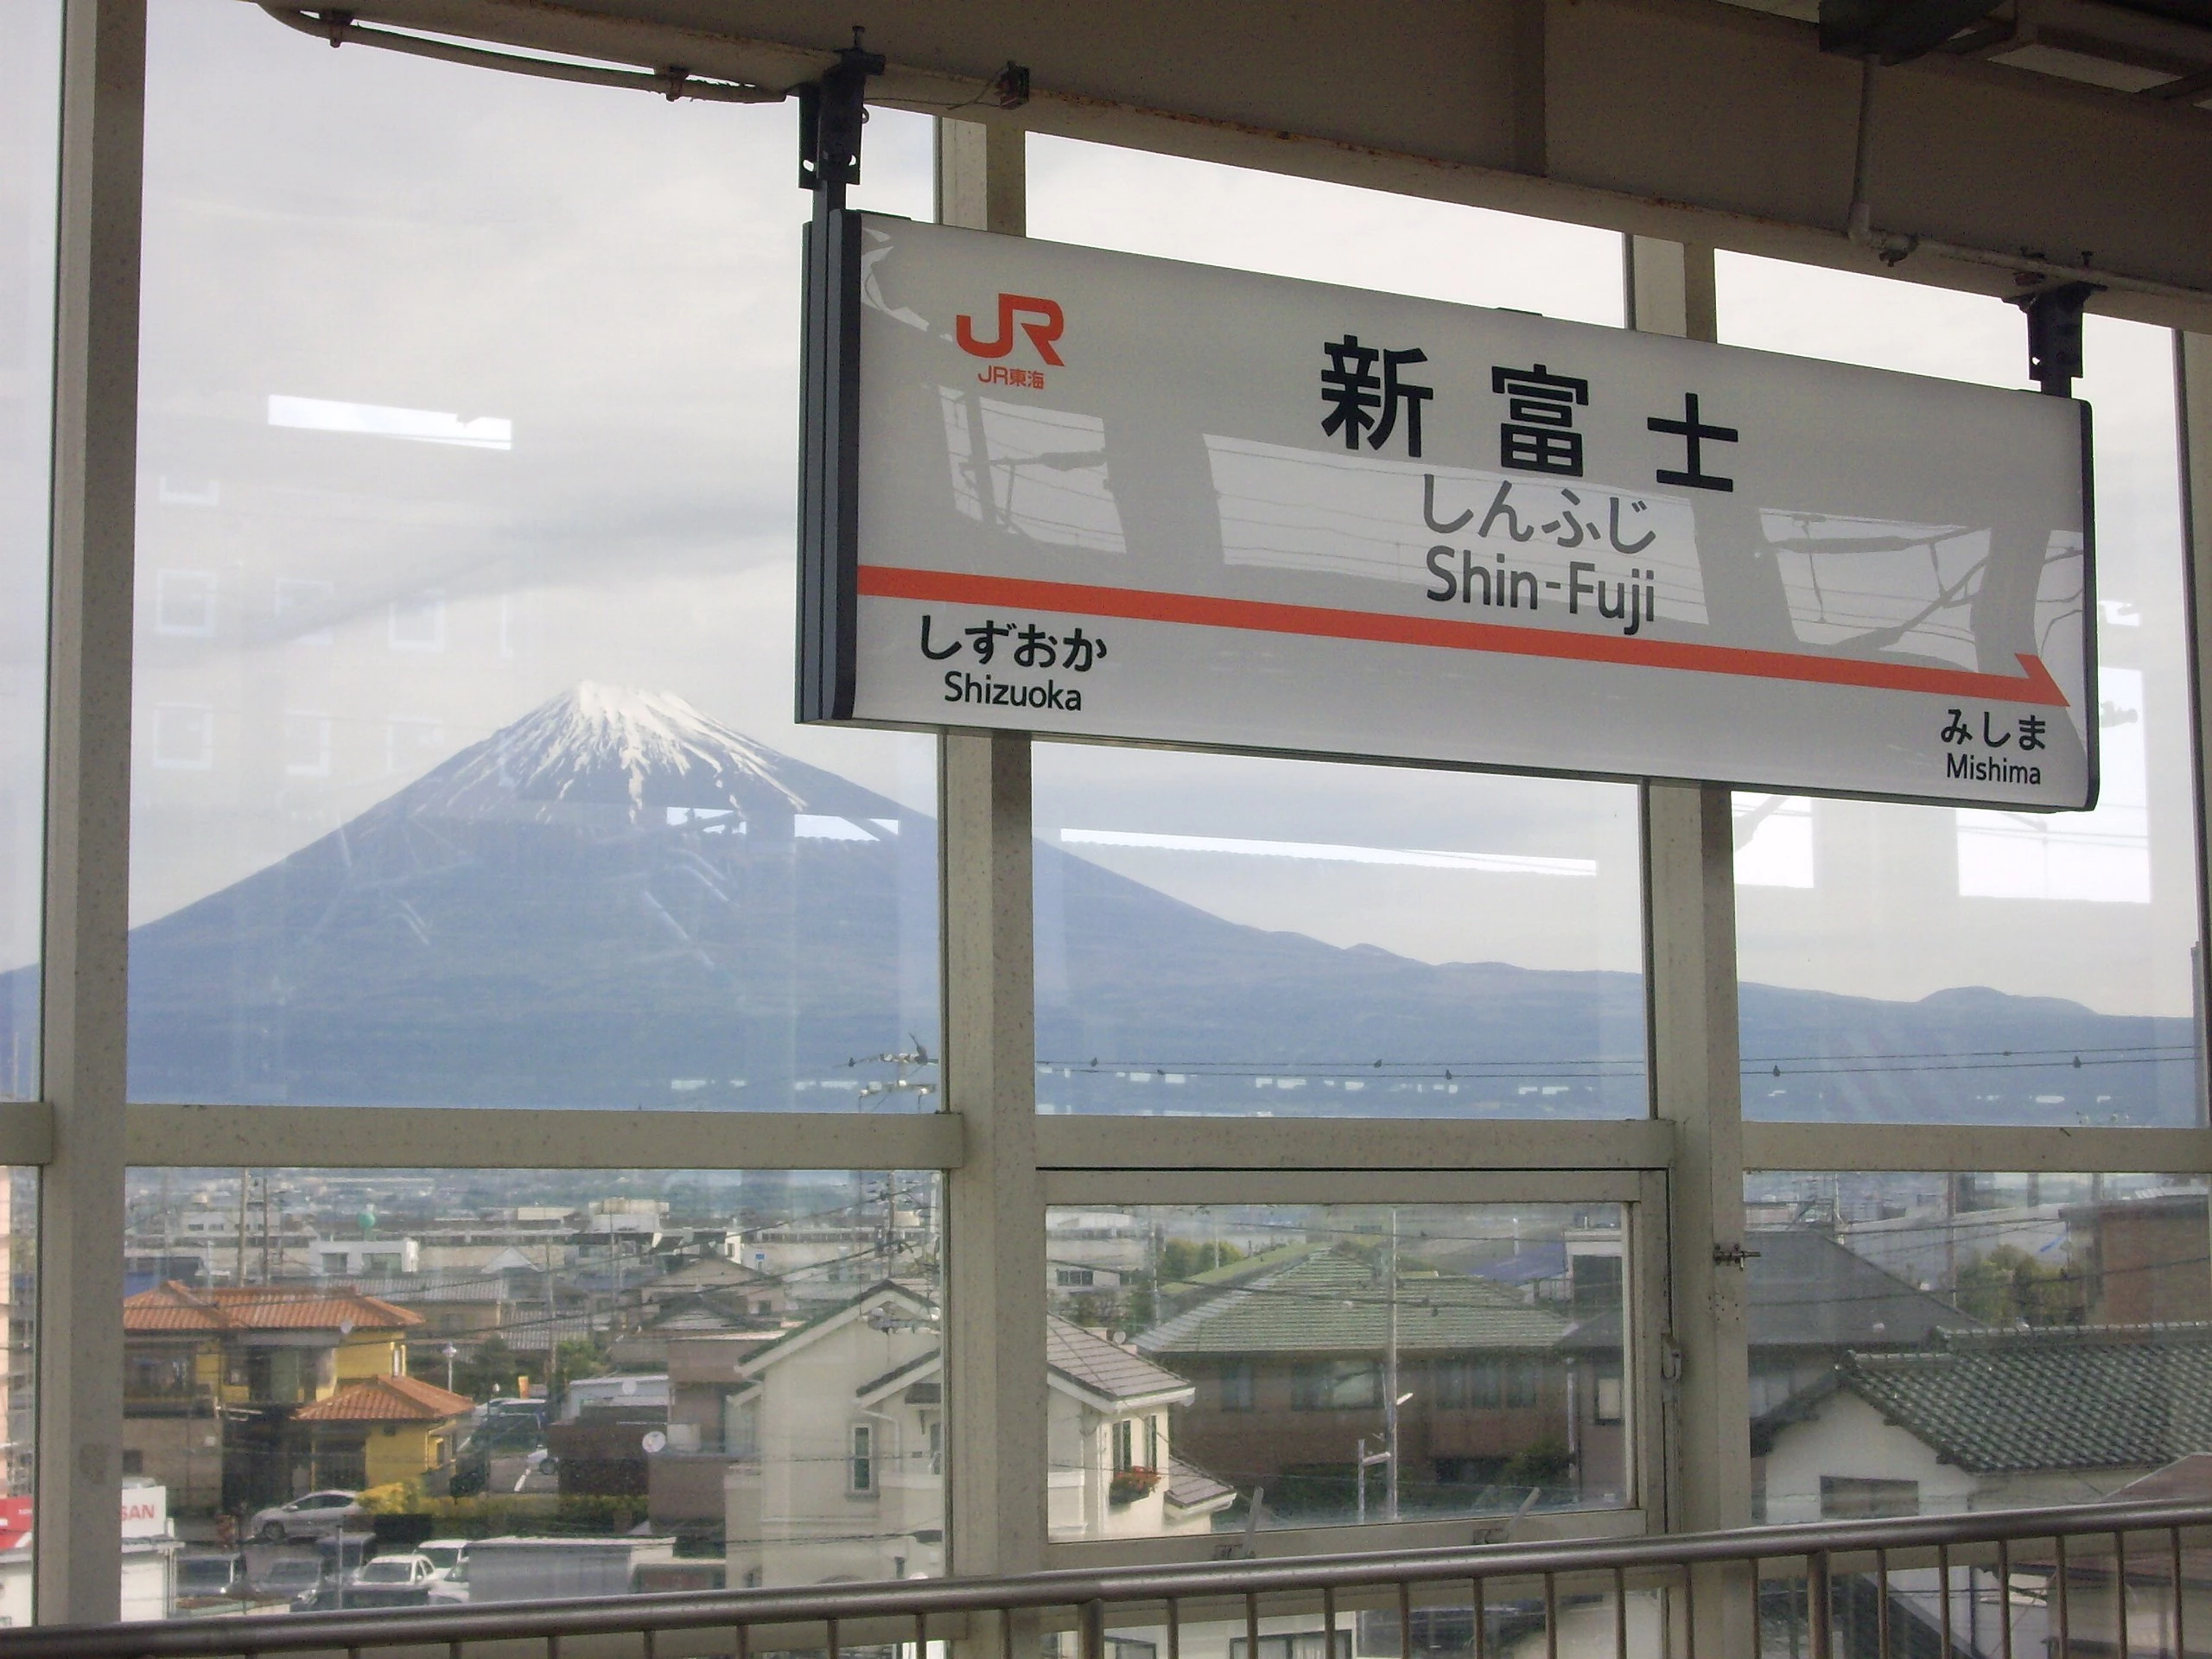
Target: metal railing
[[1992, 1585]]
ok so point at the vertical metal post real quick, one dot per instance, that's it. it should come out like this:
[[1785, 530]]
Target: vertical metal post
[[1693, 1054], [79, 1400], [2193, 410], [995, 1315], [1820, 1615]]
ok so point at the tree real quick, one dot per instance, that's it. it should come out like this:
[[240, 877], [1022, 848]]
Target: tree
[[2008, 1286], [1186, 1258]]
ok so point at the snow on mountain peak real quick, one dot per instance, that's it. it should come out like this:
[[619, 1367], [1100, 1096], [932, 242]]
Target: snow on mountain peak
[[601, 746]]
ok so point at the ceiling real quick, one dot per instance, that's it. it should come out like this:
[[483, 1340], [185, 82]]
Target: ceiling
[[2040, 139]]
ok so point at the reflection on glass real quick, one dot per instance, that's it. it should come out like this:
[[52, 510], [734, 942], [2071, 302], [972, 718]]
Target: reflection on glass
[[1212, 1368], [1287, 938], [466, 774], [1907, 963], [30, 75], [1924, 1343], [389, 1388]]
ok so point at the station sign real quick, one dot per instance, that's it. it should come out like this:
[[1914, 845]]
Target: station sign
[[1090, 495]]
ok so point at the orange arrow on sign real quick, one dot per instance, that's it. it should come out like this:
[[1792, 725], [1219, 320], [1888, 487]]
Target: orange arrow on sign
[[2034, 685]]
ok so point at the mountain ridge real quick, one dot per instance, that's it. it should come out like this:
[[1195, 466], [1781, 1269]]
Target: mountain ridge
[[617, 901]]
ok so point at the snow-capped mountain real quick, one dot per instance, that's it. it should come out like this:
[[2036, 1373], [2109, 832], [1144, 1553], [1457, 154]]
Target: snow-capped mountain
[[597, 747], [619, 901]]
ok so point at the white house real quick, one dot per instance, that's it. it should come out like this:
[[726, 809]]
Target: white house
[[834, 1438], [1989, 1420]]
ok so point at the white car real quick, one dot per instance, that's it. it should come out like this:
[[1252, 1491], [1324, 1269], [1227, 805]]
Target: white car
[[317, 1515], [445, 1556], [390, 1581]]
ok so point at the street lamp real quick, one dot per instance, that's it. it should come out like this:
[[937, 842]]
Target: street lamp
[[451, 1353]]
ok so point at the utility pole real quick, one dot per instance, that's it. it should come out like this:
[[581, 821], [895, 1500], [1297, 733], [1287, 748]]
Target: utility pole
[[1390, 1386], [266, 1276], [246, 1178]]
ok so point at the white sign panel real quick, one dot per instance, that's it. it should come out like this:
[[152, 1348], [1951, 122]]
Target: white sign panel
[[1093, 495]]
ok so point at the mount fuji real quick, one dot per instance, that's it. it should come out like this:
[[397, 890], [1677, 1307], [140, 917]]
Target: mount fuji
[[617, 901]]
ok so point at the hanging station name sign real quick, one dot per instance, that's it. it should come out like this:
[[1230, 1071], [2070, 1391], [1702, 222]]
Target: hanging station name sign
[[1091, 495]]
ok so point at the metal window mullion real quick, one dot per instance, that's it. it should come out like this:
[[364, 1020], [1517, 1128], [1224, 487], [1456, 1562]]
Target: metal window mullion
[[1968, 1148], [79, 1391], [995, 1286], [431, 1137], [2193, 434], [1690, 993]]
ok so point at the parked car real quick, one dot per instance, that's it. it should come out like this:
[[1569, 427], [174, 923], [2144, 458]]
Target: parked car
[[445, 1556], [296, 1579], [204, 1579], [316, 1516], [391, 1581], [449, 1587]]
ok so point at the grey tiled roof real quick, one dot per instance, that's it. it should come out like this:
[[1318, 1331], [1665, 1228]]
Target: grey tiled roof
[[1332, 1302], [1095, 1364], [1188, 1485], [2083, 1397]]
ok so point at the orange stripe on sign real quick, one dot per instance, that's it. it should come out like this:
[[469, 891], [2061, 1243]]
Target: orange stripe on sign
[[2034, 684]]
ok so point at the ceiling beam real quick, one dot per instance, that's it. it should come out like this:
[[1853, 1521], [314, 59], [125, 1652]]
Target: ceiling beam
[[1688, 120]]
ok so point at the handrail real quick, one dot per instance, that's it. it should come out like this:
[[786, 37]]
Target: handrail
[[916, 1600]]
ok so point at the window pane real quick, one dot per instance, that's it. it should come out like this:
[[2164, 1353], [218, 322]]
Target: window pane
[[466, 771], [1936, 964], [30, 161], [1283, 937], [1923, 1343], [1332, 1364], [18, 1389], [1244, 936], [630, 1380]]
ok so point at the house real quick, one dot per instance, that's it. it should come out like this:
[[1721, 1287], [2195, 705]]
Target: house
[[2128, 1250], [833, 1448], [213, 1378], [833, 1445], [1115, 1471], [1289, 1374], [1992, 1419], [382, 1429], [1813, 1298]]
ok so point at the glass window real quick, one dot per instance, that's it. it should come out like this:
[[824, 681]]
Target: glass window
[[1233, 935], [18, 1389], [466, 771], [1924, 963], [1926, 1343], [324, 1366], [1289, 939], [30, 79], [1319, 1364]]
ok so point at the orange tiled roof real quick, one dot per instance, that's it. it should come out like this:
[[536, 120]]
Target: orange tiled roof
[[387, 1399], [174, 1307]]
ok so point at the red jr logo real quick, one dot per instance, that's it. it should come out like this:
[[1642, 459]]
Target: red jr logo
[[1041, 334]]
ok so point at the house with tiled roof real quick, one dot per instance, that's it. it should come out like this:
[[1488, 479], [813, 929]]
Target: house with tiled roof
[[380, 1430], [215, 1376], [1287, 1370], [1992, 1419], [833, 1452]]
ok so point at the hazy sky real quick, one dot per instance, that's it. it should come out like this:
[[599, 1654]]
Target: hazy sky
[[617, 277]]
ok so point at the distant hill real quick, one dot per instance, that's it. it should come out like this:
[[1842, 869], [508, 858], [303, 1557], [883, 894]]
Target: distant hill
[[617, 901]]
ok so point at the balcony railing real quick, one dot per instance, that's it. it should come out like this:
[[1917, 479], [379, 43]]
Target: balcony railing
[[2096, 1581]]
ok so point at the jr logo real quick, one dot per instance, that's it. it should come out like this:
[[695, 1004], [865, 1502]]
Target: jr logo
[[1041, 334]]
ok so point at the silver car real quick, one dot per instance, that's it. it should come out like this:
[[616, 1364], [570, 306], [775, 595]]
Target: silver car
[[318, 1514]]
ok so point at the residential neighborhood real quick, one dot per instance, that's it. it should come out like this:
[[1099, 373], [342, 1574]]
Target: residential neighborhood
[[742, 1384]]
